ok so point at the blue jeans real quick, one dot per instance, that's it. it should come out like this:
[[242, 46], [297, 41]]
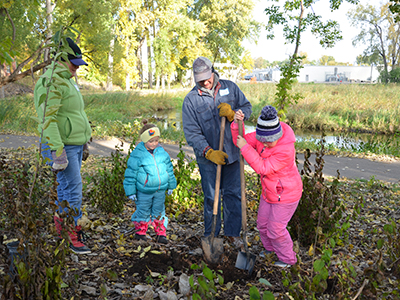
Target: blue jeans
[[70, 181], [46, 154], [149, 207], [231, 198]]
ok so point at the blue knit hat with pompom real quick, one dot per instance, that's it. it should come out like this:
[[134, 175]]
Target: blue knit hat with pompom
[[268, 127]]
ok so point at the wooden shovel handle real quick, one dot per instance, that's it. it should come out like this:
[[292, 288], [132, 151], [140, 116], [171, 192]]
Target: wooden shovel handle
[[243, 184], [219, 167]]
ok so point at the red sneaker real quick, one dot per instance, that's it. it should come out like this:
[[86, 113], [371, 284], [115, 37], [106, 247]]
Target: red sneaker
[[76, 244]]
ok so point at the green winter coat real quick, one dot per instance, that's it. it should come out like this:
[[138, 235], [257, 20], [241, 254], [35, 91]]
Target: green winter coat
[[72, 126]]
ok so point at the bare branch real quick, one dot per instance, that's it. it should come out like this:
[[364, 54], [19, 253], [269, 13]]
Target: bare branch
[[15, 76], [37, 52], [12, 24]]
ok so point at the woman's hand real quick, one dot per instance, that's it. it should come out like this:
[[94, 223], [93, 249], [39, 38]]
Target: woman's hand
[[239, 115], [241, 142]]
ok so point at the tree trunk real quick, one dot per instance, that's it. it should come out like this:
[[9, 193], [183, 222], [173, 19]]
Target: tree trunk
[[158, 82], [17, 75], [149, 65], [49, 17], [139, 67], [127, 82], [109, 86], [163, 82], [2, 94], [378, 30]]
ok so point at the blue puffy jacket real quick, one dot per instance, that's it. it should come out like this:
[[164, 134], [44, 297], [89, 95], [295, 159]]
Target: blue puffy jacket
[[148, 173]]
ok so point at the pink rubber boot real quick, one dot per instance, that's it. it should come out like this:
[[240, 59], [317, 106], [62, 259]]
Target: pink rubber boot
[[161, 231], [141, 229]]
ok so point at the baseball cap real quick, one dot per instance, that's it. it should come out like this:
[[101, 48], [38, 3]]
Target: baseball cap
[[77, 58], [202, 69]]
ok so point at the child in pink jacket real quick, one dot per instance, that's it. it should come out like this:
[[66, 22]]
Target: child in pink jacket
[[271, 153]]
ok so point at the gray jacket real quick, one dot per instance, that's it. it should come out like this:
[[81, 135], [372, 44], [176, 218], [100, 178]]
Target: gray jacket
[[201, 120]]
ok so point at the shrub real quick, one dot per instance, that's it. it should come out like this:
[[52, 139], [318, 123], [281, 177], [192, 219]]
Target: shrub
[[26, 210], [317, 197], [188, 193], [107, 189], [107, 192]]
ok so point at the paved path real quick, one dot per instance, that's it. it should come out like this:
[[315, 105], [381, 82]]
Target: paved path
[[348, 167]]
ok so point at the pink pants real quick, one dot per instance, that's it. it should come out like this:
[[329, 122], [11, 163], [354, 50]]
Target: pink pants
[[271, 222]]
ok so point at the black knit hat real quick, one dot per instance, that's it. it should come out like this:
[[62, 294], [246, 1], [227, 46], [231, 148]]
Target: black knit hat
[[268, 127]]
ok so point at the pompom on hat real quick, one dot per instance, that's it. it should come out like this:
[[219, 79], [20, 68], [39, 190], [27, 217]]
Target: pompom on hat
[[268, 127]]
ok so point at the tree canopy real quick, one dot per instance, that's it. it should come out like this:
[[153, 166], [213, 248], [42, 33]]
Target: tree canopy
[[114, 34], [296, 17]]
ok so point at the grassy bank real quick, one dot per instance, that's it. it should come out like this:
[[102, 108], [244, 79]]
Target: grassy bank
[[110, 113], [340, 108], [336, 107]]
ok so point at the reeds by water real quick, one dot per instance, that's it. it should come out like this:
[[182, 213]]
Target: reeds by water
[[336, 107], [355, 107]]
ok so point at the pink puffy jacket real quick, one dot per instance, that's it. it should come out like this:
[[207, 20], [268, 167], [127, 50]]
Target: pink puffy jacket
[[280, 179]]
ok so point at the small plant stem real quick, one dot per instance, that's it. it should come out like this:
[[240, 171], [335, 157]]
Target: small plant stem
[[42, 130], [316, 236], [361, 288]]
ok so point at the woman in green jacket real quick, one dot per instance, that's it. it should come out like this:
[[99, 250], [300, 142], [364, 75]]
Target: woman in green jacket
[[70, 131]]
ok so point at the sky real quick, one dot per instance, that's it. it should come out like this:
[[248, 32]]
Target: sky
[[276, 50]]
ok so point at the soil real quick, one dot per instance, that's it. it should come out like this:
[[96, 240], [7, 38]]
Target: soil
[[26, 86], [15, 89]]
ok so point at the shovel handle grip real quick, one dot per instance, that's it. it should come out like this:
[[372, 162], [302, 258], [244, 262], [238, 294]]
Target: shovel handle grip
[[243, 184], [219, 167]]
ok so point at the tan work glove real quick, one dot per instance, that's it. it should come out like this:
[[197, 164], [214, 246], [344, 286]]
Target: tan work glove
[[225, 110], [85, 153], [216, 156]]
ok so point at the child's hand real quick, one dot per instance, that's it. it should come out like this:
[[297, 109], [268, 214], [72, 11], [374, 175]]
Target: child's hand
[[132, 197], [241, 142], [169, 192], [239, 115]]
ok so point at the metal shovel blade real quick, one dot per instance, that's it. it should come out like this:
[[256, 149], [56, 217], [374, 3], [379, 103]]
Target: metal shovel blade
[[245, 262], [213, 248]]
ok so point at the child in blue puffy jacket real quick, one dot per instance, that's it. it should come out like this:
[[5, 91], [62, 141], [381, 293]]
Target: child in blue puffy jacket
[[148, 176]]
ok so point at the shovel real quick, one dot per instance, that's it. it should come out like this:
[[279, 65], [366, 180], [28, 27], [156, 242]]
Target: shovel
[[245, 260], [214, 247]]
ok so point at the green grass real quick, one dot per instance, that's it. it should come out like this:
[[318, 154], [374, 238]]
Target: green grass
[[341, 108], [111, 114], [374, 108]]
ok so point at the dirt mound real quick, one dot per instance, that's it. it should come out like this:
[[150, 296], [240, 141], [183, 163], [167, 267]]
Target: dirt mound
[[14, 89], [27, 85]]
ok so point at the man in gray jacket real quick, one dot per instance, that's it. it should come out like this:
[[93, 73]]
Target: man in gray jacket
[[203, 107]]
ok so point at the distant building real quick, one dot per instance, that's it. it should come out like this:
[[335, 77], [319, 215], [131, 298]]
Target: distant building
[[322, 74], [338, 74], [269, 74]]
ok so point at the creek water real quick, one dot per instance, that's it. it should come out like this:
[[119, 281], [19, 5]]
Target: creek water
[[173, 118]]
